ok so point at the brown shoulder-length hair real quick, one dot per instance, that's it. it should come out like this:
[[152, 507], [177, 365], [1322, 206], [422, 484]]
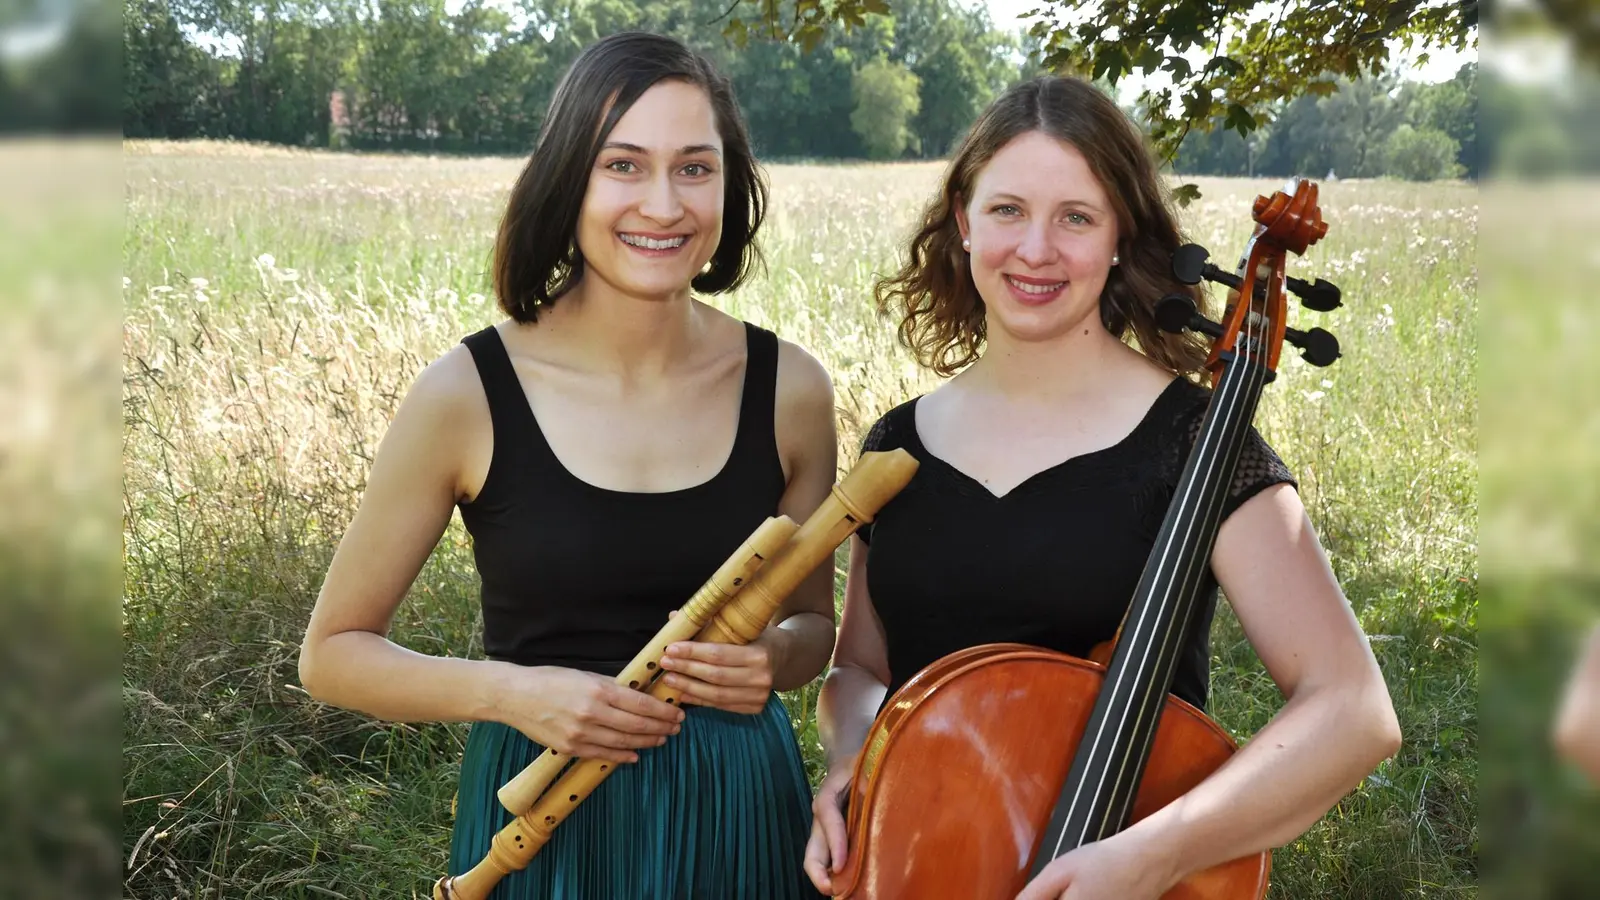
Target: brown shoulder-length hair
[[941, 314], [536, 257]]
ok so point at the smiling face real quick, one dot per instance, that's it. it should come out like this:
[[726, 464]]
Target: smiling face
[[652, 213], [1043, 234]]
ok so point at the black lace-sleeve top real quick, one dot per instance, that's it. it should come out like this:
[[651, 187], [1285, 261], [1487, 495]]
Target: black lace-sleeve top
[[1055, 561]]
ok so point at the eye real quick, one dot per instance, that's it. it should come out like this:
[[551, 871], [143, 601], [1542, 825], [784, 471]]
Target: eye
[[695, 170], [1006, 209], [1078, 218], [624, 166]]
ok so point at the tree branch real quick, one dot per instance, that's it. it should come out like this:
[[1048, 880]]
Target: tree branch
[[725, 13]]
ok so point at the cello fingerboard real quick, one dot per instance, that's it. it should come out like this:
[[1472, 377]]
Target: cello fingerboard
[[1111, 756]]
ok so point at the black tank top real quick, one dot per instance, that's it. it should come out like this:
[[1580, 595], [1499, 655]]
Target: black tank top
[[1055, 561], [581, 576]]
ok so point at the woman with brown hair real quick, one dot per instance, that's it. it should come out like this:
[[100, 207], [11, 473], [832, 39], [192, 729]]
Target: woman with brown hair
[[608, 446], [1047, 464]]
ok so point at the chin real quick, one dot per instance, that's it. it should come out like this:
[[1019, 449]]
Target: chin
[[1035, 325], [655, 291]]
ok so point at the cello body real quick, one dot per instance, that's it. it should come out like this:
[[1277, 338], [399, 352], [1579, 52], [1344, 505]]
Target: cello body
[[998, 724]]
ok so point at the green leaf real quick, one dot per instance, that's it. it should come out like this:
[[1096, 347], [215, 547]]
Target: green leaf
[[1240, 120], [1179, 67], [1182, 21], [1185, 194], [1111, 63], [1322, 88], [880, 7], [1225, 65]]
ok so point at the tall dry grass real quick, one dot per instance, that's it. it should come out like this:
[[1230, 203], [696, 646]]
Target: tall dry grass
[[278, 306]]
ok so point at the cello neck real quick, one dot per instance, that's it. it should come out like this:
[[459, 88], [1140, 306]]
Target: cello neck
[[1100, 788]]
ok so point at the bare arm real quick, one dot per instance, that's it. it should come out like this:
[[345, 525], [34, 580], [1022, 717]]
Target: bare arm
[[1337, 725], [856, 685], [802, 631], [347, 659], [1577, 733], [846, 708]]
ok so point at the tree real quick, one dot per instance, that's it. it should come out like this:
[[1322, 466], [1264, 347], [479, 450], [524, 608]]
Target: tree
[[886, 100], [1254, 55], [1450, 107], [1421, 154]]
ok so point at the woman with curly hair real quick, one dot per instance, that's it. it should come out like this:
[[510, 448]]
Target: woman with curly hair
[[1047, 465]]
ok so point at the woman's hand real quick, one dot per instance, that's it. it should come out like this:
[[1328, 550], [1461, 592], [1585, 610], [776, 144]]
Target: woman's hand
[[734, 677], [585, 715], [827, 849], [1120, 867]]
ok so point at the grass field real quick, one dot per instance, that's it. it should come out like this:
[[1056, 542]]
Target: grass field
[[278, 304]]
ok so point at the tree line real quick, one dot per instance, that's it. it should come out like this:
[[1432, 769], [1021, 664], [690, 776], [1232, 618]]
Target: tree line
[[412, 75], [1370, 127]]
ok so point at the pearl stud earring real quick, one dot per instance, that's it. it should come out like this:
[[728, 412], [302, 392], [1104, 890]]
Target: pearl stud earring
[[1115, 259], [966, 245]]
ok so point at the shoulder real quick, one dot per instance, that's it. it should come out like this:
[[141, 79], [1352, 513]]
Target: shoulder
[[893, 429], [442, 428], [807, 432], [448, 391], [803, 381]]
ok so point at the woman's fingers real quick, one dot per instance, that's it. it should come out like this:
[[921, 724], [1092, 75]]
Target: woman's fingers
[[640, 703], [723, 664], [735, 699], [621, 720], [816, 864], [833, 829]]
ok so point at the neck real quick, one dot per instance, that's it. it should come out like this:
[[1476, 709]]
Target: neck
[[634, 337], [1068, 365]]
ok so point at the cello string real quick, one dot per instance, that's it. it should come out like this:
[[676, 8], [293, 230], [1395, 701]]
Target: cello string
[[1252, 380], [1233, 390], [1160, 583]]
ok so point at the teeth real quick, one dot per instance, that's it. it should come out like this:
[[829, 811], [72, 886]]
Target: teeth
[[653, 244], [1035, 288]]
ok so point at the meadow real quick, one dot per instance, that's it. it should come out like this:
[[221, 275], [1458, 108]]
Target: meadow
[[278, 304]]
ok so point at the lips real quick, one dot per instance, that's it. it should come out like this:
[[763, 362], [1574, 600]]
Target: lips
[[1033, 291], [653, 243]]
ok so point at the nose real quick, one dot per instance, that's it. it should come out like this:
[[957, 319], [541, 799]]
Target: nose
[[1035, 250], [661, 202]]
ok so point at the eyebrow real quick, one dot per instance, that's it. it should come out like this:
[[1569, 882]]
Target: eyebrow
[[1004, 195], [684, 151]]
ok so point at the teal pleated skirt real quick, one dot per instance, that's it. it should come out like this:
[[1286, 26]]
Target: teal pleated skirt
[[721, 811]]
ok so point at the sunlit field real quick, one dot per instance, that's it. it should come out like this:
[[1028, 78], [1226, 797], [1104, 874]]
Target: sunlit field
[[279, 303]]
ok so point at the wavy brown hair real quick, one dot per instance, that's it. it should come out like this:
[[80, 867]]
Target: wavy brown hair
[[941, 313]]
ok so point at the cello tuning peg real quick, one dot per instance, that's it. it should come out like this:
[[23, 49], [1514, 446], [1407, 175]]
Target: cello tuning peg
[[1317, 347], [1175, 312], [1320, 296], [1189, 263]]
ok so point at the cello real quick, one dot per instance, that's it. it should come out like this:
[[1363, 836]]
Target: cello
[[995, 760]]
